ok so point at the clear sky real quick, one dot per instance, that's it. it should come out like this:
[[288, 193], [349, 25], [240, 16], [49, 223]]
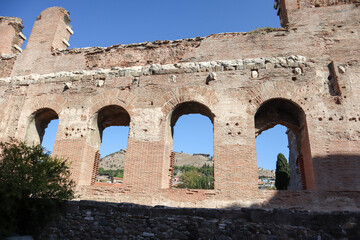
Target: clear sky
[[105, 23]]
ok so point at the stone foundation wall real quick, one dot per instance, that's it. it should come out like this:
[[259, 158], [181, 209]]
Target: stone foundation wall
[[97, 220]]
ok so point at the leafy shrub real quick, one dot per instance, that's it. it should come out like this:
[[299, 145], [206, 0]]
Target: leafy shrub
[[112, 172], [32, 186], [196, 178]]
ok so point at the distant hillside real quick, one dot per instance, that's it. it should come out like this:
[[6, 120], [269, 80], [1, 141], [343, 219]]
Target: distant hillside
[[196, 160], [113, 161], [116, 161], [266, 173]]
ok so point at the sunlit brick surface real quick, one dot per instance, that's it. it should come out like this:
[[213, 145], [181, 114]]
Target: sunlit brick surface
[[306, 75]]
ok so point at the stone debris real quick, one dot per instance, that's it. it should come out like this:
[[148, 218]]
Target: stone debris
[[211, 77], [297, 71], [172, 78], [342, 69], [68, 85], [294, 61], [254, 74], [100, 83]]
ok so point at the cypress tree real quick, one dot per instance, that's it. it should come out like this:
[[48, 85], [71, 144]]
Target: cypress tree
[[282, 173]]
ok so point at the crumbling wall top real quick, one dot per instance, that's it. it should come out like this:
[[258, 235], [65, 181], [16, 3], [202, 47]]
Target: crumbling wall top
[[287, 9], [51, 30]]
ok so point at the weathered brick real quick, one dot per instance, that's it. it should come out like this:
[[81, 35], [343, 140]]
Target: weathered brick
[[304, 76]]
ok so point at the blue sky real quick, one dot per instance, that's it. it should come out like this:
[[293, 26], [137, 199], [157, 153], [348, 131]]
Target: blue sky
[[105, 23]]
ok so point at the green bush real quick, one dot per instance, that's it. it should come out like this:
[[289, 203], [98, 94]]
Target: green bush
[[112, 173], [32, 186], [196, 178]]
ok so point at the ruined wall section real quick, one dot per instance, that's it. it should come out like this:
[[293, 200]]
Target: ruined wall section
[[11, 35], [233, 131], [337, 133], [288, 10], [11, 41], [323, 3], [6, 65], [232, 75], [51, 31], [332, 30], [11, 104], [76, 96], [323, 33]]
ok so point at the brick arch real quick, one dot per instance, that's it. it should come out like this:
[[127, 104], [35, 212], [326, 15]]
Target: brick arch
[[280, 110], [203, 95], [118, 101], [111, 98], [200, 100], [275, 89], [56, 103], [121, 98], [53, 102], [37, 124], [289, 114]]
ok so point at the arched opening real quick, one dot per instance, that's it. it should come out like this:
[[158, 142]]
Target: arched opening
[[269, 144], [287, 113], [42, 128], [112, 123], [192, 134]]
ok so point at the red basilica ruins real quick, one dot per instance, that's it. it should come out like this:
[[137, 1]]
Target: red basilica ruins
[[305, 76]]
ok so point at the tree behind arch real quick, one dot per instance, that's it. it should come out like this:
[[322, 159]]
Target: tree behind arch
[[282, 173]]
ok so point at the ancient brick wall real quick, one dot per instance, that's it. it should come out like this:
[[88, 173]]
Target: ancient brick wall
[[304, 76], [6, 65]]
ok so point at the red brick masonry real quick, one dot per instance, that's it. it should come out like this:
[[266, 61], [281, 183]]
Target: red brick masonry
[[305, 76]]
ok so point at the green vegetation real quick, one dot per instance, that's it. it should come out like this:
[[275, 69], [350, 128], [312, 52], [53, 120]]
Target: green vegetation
[[282, 173], [263, 177], [32, 186], [112, 173], [195, 178]]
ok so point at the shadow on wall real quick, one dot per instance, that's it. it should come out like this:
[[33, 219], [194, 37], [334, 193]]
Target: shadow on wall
[[285, 215], [339, 172], [337, 180], [100, 220]]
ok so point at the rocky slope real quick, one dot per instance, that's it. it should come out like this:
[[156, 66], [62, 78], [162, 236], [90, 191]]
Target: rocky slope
[[196, 160], [266, 173], [113, 161]]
